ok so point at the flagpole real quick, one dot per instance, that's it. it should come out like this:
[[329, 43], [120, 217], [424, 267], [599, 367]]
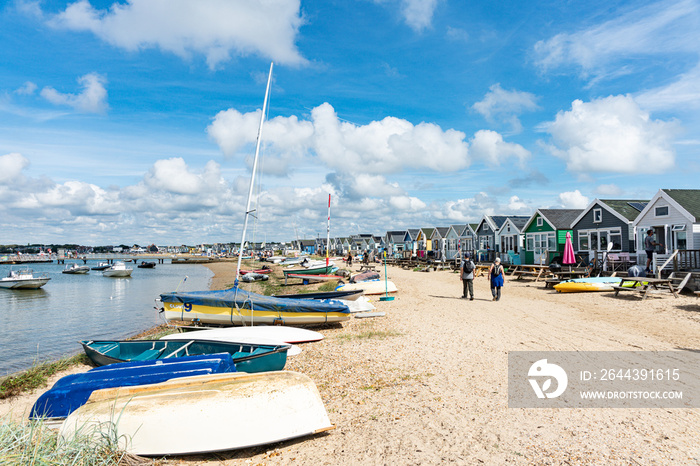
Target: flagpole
[[328, 232]]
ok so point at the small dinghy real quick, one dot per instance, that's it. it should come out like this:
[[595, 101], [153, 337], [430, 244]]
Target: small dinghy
[[279, 333], [202, 414], [72, 391], [247, 357], [349, 295], [146, 265], [370, 287]]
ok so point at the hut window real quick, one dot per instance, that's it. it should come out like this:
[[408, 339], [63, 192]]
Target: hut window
[[540, 221], [597, 215], [661, 211], [583, 241]]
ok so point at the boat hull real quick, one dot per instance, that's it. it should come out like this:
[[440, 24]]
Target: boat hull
[[72, 391], [24, 284], [584, 285], [370, 287], [205, 414], [240, 307], [117, 273], [349, 295], [271, 332], [247, 357], [324, 270]]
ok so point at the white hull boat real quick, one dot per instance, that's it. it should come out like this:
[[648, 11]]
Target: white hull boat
[[76, 269], [370, 287], [119, 269], [23, 279], [202, 414]]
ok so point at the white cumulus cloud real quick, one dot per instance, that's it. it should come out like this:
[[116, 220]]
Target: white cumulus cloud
[[612, 134], [387, 146], [418, 13], [11, 166], [214, 28], [573, 200], [490, 147], [93, 98]]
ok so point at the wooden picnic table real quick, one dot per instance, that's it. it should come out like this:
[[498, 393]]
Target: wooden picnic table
[[645, 285], [536, 271]]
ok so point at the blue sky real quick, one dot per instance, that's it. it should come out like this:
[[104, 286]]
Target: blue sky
[[135, 121]]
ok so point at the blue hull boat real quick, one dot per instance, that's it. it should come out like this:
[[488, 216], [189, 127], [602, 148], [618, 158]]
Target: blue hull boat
[[72, 391], [247, 357]]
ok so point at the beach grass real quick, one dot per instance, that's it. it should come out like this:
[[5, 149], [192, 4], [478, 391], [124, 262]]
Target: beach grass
[[369, 334], [34, 442], [37, 375]]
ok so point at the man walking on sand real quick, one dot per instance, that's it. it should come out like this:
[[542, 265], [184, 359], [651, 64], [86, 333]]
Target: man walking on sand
[[467, 274]]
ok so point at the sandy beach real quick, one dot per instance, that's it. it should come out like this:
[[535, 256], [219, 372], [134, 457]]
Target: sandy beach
[[427, 383]]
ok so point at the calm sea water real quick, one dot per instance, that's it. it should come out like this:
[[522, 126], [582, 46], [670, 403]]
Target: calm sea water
[[36, 325]]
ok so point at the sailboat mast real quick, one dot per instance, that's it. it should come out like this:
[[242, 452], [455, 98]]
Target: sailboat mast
[[252, 175], [328, 232]]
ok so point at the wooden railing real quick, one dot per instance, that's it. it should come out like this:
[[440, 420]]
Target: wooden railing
[[687, 259]]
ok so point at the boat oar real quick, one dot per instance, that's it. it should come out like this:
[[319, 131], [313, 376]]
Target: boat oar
[[386, 296]]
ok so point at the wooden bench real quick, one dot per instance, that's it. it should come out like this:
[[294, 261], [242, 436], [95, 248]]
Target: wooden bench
[[368, 268], [645, 286]]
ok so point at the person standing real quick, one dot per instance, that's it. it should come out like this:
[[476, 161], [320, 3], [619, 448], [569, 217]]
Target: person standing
[[495, 277], [649, 247], [467, 274], [349, 260]]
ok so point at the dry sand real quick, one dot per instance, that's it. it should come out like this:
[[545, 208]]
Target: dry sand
[[427, 384]]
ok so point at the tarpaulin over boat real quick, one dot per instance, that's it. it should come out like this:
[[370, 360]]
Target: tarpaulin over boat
[[242, 299]]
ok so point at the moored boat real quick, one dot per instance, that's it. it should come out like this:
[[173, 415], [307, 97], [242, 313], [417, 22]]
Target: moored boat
[[101, 266], [24, 279], [72, 391], [247, 357], [147, 265], [204, 414], [75, 268], [119, 269]]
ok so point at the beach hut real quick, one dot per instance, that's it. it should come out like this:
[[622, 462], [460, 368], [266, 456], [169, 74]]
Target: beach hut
[[511, 238], [467, 238], [424, 244], [308, 246], [412, 240], [454, 243], [674, 215], [439, 240], [604, 221], [545, 234], [396, 242]]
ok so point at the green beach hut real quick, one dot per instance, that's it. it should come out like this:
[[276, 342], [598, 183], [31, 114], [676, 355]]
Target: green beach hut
[[545, 234]]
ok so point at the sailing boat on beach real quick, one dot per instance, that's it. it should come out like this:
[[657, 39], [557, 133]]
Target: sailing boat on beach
[[236, 306]]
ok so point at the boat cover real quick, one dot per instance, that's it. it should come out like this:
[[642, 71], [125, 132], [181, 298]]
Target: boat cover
[[242, 299], [72, 391]]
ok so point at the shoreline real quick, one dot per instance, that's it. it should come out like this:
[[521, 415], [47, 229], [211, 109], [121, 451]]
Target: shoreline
[[428, 383]]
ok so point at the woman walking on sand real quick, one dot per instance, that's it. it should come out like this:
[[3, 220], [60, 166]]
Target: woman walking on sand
[[495, 276]]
